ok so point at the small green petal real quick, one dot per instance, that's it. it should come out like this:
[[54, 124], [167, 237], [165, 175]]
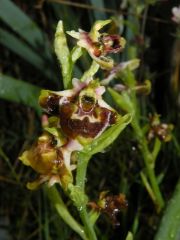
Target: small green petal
[[73, 34], [94, 33]]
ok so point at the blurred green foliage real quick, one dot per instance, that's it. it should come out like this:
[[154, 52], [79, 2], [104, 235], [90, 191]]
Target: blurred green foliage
[[28, 63]]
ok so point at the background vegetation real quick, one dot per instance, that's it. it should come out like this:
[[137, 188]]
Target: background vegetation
[[28, 63]]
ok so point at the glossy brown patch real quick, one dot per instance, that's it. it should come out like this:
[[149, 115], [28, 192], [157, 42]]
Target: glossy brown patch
[[111, 205], [51, 104], [74, 127], [111, 43], [86, 109]]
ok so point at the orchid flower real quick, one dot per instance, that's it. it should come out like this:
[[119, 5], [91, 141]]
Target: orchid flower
[[162, 131], [76, 117], [111, 205], [99, 45]]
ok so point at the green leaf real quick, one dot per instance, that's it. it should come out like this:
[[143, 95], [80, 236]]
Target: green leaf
[[23, 50], [63, 212], [108, 136], [170, 224], [63, 54], [23, 25], [18, 91]]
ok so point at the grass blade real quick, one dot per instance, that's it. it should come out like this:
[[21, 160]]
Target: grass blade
[[18, 91], [24, 26], [170, 224], [23, 50]]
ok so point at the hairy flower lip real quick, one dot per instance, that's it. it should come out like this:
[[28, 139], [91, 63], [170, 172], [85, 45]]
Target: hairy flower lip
[[111, 43], [106, 44]]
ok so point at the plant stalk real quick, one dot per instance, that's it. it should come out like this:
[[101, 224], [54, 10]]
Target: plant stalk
[[149, 164], [83, 160]]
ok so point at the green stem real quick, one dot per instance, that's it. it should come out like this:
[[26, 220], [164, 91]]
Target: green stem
[[83, 160], [152, 177], [157, 147], [148, 187], [63, 212], [149, 164], [88, 226]]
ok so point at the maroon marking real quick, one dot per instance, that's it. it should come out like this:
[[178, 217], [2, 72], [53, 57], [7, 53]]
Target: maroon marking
[[74, 127], [51, 104]]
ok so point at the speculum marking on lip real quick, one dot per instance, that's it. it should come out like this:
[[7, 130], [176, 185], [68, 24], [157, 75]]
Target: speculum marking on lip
[[84, 127]]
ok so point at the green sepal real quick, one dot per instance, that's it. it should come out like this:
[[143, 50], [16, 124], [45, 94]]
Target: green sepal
[[76, 53], [98, 25], [73, 34]]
